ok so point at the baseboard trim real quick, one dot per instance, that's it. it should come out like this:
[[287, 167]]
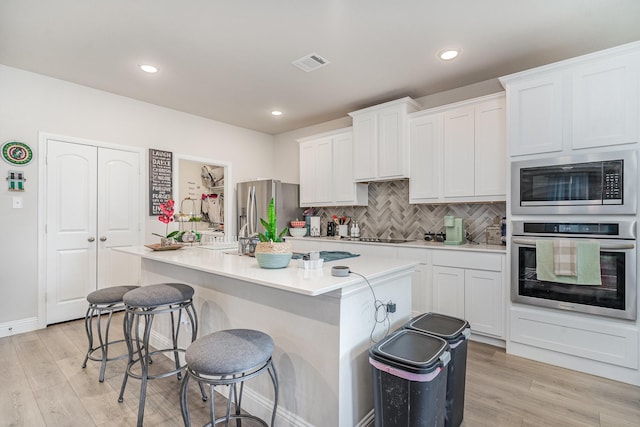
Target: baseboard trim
[[19, 326]]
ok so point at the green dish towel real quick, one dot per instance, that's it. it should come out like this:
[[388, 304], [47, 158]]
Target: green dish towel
[[587, 264]]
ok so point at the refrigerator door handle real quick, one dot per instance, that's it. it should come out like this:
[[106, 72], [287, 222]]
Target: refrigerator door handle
[[253, 211]]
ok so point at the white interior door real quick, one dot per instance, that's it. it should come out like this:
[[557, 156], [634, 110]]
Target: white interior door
[[92, 206], [71, 229], [118, 216]]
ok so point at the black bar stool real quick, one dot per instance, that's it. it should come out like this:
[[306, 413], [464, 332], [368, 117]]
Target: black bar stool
[[103, 301], [145, 303], [229, 357]]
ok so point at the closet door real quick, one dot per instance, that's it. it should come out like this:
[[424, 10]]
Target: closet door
[[118, 216], [92, 206], [71, 229]]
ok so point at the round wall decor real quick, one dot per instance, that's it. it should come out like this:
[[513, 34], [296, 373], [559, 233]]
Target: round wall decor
[[17, 153]]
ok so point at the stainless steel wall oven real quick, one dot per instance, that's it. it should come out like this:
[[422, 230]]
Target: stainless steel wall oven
[[615, 297]]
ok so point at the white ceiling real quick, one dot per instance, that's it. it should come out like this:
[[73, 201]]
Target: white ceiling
[[231, 60]]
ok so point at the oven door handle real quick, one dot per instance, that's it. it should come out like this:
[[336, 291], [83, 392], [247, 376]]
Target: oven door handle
[[614, 246]]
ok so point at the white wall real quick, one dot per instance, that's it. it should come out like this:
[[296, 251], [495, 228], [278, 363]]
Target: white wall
[[287, 149], [32, 103]]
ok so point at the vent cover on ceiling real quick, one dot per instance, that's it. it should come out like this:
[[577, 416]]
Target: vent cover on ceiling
[[310, 62]]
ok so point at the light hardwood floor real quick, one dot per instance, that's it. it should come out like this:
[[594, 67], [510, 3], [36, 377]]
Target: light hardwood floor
[[44, 385]]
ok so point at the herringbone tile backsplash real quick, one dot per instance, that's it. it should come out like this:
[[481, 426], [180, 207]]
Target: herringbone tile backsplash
[[389, 214]]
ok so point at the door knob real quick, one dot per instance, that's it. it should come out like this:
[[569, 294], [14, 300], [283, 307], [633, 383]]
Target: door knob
[[103, 239], [91, 239]]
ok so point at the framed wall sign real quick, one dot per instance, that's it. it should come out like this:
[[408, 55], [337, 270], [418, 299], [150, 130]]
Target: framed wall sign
[[160, 179], [17, 153]]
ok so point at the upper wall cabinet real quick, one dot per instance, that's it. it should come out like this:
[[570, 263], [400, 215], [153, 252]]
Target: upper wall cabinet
[[326, 171], [458, 152], [581, 103], [381, 141]]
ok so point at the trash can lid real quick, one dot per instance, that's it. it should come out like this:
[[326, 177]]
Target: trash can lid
[[447, 327], [411, 351]]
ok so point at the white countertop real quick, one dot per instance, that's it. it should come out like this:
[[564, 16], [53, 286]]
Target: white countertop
[[414, 244], [292, 278]]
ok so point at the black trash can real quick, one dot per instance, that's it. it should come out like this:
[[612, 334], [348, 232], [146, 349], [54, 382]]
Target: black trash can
[[455, 331], [409, 379]]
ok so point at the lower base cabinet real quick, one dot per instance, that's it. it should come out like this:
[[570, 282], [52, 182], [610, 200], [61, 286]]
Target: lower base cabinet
[[474, 295]]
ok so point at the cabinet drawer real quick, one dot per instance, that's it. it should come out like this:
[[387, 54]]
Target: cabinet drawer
[[601, 340], [467, 259]]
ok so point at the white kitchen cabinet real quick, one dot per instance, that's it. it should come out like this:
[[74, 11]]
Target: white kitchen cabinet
[[316, 170], [535, 113], [459, 152], [605, 102], [449, 291], [421, 289], [470, 286], [425, 134], [581, 103], [484, 302], [381, 141], [469, 140], [326, 171]]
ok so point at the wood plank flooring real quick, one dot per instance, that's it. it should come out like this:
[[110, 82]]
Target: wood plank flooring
[[43, 384]]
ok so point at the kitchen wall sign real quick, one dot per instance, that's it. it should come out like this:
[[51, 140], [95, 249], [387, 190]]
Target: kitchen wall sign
[[17, 153], [160, 179]]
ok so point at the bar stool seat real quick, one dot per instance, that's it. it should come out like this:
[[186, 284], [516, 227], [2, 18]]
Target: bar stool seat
[[145, 303], [101, 301], [229, 357]]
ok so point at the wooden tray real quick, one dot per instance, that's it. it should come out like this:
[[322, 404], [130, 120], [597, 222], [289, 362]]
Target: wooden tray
[[157, 247]]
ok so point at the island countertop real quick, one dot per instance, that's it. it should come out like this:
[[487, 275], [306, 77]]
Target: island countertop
[[293, 279]]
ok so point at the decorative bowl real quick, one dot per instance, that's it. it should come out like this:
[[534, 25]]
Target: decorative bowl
[[273, 260], [298, 224], [298, 232]]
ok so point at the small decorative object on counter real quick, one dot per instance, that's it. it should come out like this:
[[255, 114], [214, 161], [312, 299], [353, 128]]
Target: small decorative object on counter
[[343, 230], [355, 231], [166, 217], [272, 252], [331, 229]]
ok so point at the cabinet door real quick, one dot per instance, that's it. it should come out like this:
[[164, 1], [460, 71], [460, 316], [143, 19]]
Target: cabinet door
[[448, 291], [605, 103], [490, 149], [535, 111], [458, 149], [344, 190], [307, 173], [324, 171], [392, 152], [425, 136], [484, 302], [365, 152]]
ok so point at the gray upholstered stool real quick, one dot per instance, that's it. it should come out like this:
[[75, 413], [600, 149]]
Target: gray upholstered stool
[[229, 357], [103, 301], [147, 302]]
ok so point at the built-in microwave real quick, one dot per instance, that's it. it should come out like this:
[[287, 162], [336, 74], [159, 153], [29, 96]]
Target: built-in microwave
[[596, 183]]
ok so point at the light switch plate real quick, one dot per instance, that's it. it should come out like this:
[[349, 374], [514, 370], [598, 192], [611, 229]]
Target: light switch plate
[[17, 202]]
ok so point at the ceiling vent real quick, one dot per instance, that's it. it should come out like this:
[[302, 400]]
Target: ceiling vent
[[310, 62]]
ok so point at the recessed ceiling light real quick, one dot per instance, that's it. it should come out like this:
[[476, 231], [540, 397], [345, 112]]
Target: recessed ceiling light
[[448, 54], [148, 68], [276, 113]]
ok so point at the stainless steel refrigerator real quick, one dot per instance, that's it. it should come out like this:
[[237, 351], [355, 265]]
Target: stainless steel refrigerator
[[253, 198]]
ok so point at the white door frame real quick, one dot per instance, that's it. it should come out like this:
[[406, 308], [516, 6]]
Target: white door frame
[[229, 196], [43, 137]]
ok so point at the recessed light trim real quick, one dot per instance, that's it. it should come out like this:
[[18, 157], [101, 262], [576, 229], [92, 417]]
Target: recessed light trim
[[149, 68], [276, 113], [448, 54]]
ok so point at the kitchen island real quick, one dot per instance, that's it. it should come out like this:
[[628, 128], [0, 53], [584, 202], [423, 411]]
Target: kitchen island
[[321, 324]]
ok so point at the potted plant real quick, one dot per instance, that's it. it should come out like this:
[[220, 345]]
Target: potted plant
[[271, 251], [166, 217]]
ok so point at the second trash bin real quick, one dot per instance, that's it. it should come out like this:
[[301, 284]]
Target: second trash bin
[[409, 379], [455, 331]]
